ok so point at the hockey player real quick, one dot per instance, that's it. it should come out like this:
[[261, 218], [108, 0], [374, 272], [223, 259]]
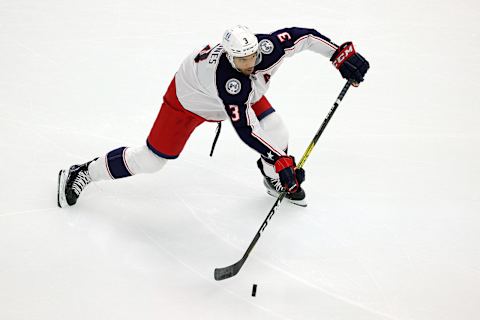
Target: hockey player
[[228, 80]]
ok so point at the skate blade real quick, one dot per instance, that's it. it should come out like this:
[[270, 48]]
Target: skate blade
[[300, 203], [62, 179]]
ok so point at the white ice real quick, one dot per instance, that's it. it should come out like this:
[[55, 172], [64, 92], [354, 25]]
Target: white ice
[[392, 230]]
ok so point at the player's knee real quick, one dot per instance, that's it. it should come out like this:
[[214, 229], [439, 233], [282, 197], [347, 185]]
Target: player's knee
[[274, 126], [143, 160]]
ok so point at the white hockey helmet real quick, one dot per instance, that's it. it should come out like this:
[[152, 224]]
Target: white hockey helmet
[[239, 41]]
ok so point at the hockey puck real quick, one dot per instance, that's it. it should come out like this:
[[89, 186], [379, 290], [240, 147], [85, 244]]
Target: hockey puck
[[254, 290]]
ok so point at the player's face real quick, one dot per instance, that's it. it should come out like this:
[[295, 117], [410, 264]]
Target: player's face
[[246, 64]]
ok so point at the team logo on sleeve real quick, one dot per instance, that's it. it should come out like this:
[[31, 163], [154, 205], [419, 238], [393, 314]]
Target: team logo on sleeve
[[233, 86], [266, 46]]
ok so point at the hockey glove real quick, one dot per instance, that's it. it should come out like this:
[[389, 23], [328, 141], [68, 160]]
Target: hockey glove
[[352, 66], [290, 176]]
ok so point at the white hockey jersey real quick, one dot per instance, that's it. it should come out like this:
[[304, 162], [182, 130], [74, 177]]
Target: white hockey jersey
[[210, 87]]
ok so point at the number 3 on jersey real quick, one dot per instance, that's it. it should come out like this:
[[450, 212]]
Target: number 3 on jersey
[[235, 112]]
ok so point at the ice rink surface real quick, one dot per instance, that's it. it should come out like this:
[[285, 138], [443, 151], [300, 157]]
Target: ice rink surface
[[392, 230]]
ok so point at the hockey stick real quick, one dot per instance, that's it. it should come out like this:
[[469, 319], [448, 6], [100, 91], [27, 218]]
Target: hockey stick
[[232, 270]]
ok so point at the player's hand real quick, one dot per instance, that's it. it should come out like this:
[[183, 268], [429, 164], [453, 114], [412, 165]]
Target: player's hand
[[290, 176], [352, 66]]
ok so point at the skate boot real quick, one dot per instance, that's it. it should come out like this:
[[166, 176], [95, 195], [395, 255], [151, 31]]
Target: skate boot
[[274, 188], [72, 183]]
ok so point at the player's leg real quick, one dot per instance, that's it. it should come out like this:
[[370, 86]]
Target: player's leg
[[273, 125], [125, 162], [119, 163], [166, 140]]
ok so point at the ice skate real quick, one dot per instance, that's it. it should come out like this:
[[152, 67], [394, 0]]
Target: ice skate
[[72, 183], [274, 188]]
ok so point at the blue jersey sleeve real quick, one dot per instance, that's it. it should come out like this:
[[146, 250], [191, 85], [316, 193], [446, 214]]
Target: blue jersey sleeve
[[288, 37], [289, 41], [235, 90]]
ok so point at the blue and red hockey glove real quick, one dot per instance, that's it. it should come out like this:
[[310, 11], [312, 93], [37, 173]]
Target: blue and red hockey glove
[[352, 65], [290, 176]]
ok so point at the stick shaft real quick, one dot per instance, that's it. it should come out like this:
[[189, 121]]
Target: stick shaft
[[324, 124], [232, 270]]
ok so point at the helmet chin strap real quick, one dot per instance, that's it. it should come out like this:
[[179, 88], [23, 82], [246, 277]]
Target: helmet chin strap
[[259, 58], [230, 59]]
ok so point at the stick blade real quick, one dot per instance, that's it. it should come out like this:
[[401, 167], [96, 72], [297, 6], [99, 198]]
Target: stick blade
[[228, 272]]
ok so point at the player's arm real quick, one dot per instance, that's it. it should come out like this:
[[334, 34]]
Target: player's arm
[[352, 65], [294, 40], [248, 128]]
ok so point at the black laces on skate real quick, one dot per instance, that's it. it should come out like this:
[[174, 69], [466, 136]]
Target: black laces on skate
[[275, 183], [80, 182], [278, 186]]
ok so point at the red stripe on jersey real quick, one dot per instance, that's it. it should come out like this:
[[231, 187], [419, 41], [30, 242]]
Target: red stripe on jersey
[[266, 143], [313, 37]]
